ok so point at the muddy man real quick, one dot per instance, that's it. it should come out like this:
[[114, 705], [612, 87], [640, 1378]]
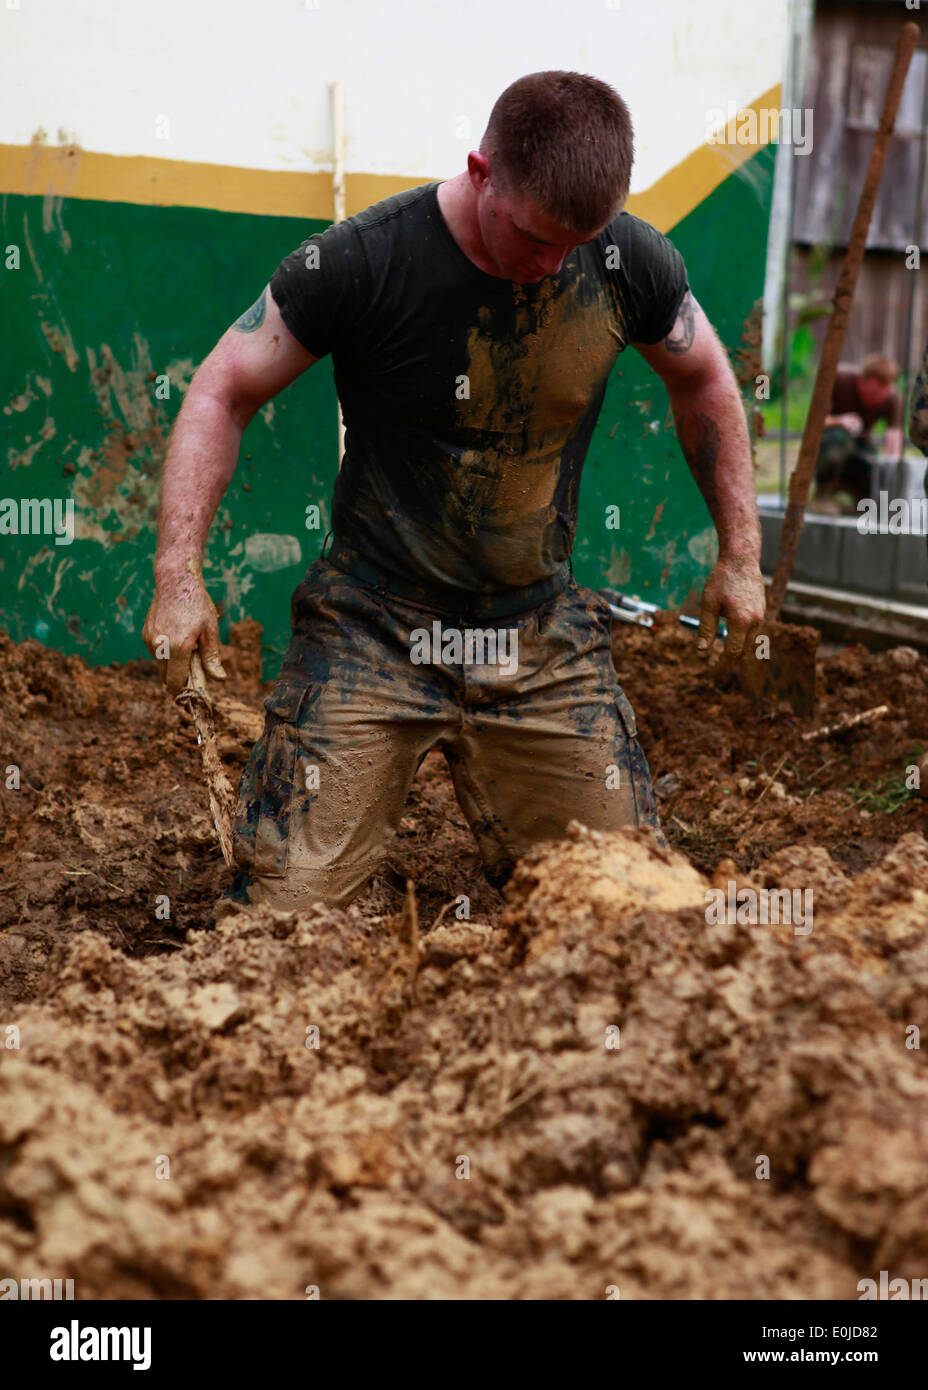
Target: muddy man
[[473, 325]]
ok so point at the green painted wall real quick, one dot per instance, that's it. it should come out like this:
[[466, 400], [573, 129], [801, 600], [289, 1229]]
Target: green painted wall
[[109, 297], [634, 459]]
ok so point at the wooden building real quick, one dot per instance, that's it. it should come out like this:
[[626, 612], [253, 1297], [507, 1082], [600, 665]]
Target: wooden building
[[848, 71]]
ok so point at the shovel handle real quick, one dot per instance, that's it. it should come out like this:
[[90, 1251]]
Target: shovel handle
[[196, 697], [196, 687]]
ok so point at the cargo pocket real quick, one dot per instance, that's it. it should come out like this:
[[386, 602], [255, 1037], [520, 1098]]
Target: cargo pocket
[[271, 795], [627, 714], [640, 773]]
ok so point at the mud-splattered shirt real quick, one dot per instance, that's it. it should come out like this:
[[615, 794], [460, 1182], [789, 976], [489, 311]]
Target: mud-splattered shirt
[[469, 401]]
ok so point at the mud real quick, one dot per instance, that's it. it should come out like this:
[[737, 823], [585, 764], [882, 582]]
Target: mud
[[582, 1086]]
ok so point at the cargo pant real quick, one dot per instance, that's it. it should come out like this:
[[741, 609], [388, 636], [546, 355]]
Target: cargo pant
[[536, 733]]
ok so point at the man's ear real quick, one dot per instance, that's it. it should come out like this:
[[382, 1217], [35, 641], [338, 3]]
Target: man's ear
[[478, 168]]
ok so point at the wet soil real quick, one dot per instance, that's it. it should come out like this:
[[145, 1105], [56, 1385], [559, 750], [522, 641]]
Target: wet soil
[[580, 1086]]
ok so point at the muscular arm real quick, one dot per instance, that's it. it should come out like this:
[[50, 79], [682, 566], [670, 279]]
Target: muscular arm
[[713, 434], [253, 361], [711, 426]]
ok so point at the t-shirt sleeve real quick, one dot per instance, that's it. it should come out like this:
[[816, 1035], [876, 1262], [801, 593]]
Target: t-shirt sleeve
[[894, 411], [319, 288], [843, 393], [654, 281]]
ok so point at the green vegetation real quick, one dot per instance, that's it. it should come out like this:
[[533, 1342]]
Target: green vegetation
[[885, 799], [797, 409]]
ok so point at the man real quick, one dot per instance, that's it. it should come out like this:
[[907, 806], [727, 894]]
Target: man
[[473, 325], [918, 433], [860, 399]]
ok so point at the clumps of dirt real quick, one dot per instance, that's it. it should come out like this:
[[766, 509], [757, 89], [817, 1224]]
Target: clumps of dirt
[[105, 822], [242, 657], [598, 1090], [101, 814], [736, 778], [594, 1084]]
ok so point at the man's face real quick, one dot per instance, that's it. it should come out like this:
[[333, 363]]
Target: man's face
[[521, 240], [873, 391]]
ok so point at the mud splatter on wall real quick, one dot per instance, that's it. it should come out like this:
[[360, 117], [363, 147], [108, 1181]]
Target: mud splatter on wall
[[115, 305]]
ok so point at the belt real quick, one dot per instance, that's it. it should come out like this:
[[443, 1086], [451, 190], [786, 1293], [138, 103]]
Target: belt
[[445, 598]]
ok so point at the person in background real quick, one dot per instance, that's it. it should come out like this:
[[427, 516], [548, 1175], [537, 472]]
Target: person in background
[[918, 433], [862, 396]]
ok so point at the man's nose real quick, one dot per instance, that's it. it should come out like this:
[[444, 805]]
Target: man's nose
[[552, 261]]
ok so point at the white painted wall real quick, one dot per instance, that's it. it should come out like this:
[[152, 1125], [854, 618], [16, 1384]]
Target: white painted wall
[[244, 82]]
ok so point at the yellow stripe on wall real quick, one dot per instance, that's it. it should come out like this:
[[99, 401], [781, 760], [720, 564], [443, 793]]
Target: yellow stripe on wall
[[67, 171], [690, 182]]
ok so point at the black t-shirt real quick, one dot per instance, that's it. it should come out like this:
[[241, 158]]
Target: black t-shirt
[[469, 401]]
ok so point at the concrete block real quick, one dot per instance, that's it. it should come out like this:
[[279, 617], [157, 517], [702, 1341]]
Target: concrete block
[[866, 561], [818, 559], [911, 580]]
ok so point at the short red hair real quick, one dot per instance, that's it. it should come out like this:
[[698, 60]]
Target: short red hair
[[566, 140]]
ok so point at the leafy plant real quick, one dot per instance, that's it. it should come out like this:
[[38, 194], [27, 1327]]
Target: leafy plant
[[885, 799]]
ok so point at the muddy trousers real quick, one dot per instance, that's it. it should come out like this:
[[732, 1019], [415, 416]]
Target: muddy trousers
[[527, 711]]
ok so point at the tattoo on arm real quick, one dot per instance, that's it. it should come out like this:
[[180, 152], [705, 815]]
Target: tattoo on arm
[[701, 439], [252, 318], [680, 338]]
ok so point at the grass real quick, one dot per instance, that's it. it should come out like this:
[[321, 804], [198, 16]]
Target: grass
[[886, 798], [767, 455], [797, 409]]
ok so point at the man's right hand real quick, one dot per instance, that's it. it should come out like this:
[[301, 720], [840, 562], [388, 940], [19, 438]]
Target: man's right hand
[[181, 618]]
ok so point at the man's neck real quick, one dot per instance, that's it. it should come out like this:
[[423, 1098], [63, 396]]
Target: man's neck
[[458, 206]]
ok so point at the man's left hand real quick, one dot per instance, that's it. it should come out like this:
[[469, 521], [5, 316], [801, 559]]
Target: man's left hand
[[734, 591]]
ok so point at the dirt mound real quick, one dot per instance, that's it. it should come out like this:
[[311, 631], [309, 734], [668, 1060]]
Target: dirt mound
[[607, 1080], [109, 813], [738, 779], [581, 1095]]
